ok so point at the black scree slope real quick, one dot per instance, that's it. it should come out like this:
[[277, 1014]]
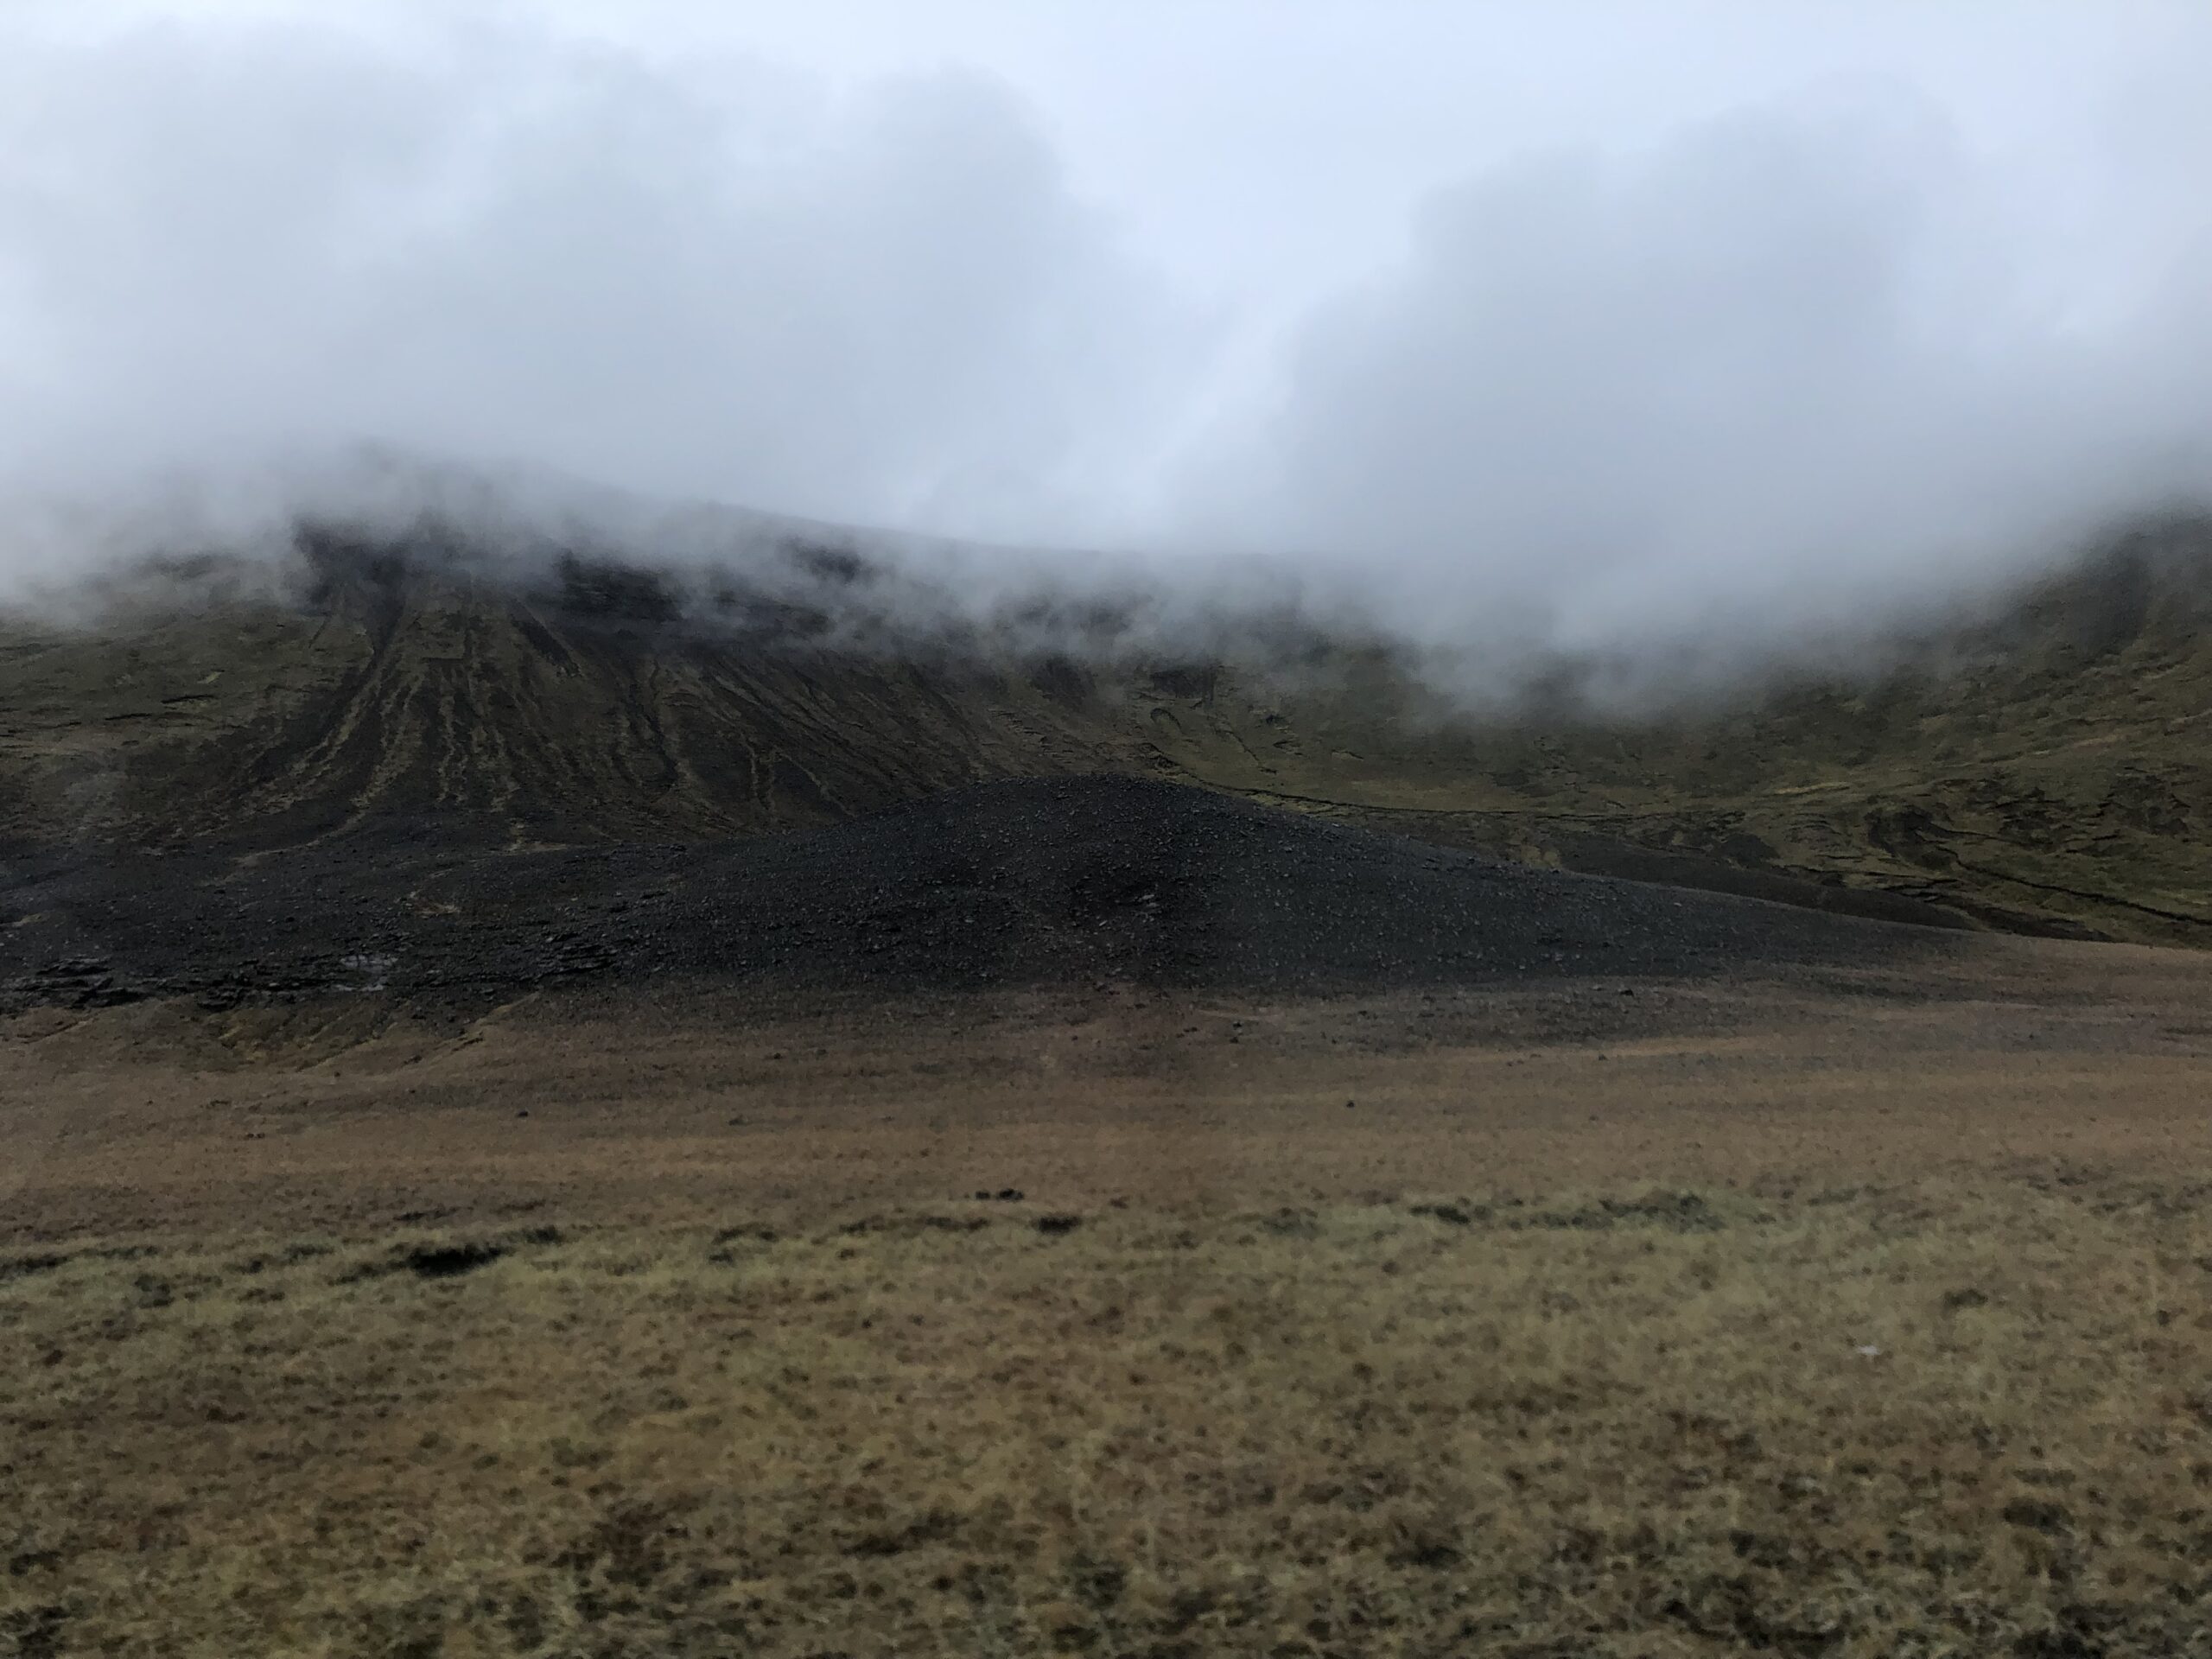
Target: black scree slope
[[1022, 882]]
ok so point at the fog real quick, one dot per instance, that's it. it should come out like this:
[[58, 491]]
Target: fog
[[1550, 329]]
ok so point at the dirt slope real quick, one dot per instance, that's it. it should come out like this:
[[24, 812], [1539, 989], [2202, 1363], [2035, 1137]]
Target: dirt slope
[[571, 706]]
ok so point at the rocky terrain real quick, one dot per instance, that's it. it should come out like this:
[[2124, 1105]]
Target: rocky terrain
[[1012, 884]]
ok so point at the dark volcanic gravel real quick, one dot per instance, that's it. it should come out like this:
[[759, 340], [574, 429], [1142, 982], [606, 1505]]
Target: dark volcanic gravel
[[1032, 882]]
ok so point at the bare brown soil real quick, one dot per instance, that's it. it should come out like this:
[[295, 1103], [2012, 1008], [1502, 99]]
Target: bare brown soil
[[690, 1103]]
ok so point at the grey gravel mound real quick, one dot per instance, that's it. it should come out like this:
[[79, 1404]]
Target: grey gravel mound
[[1024, 883]]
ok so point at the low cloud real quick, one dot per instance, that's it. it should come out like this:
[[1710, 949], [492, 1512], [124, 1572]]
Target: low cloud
[[226, 250], [1803, 357], [1805, 360]]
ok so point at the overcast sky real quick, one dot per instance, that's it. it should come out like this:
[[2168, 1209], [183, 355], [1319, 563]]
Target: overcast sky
[[1598, 317]]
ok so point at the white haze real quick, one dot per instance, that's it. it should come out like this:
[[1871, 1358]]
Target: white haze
[[1615, 338]]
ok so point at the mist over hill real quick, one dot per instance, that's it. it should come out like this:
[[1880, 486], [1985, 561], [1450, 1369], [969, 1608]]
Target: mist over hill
[[2036, 762], [1707, 470], [1681, 374], [975, 827]]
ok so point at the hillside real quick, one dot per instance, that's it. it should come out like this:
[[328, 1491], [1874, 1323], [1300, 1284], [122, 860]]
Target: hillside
[[2044, 767], [570, 704]]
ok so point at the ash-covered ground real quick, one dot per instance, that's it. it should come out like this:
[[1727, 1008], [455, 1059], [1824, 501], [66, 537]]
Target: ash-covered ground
[[1029, 882]]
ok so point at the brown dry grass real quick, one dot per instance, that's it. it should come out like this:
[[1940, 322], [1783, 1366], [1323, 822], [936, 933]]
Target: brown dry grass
[[1647, 1426], [1457, 1371]]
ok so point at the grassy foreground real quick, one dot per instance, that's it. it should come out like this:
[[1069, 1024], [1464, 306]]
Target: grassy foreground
[[1914, 1420]]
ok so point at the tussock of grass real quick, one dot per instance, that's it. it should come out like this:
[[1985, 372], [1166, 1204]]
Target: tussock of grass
[[1920, 1420]]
